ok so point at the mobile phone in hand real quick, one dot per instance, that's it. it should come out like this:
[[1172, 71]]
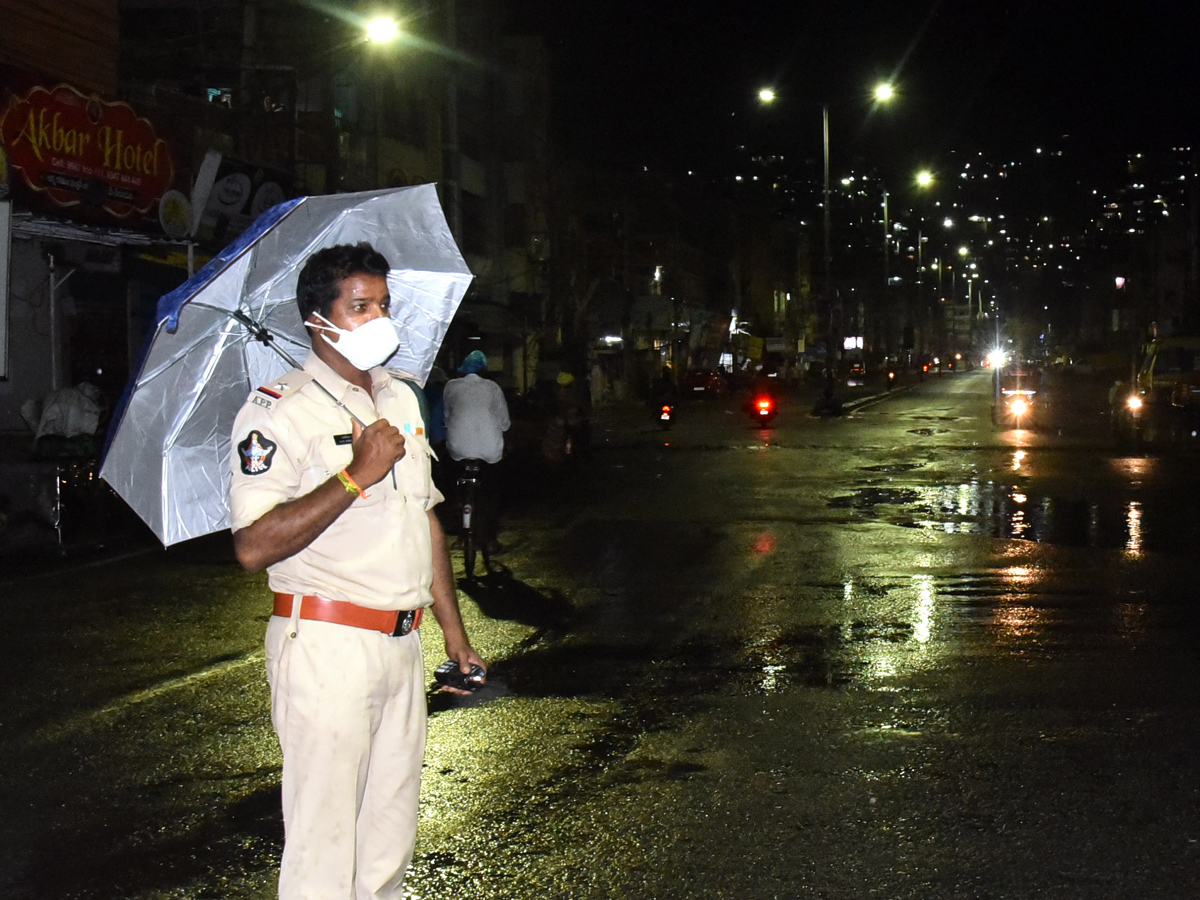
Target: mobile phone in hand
[[448, 674]]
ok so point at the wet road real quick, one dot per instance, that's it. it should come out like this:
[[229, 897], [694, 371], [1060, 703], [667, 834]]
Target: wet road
[[898, 654]]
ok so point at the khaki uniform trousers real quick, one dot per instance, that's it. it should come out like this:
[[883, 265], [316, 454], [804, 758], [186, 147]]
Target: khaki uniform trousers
[[349, 708]]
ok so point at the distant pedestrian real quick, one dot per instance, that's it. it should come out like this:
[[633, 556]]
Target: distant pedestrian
[[476, 420], [573, 414]]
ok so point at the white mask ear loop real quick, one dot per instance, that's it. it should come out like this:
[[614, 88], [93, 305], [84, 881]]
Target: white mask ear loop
[[328, 326]]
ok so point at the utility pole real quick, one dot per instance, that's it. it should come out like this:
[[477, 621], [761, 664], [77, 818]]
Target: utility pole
[[832, 354], [452, 158]]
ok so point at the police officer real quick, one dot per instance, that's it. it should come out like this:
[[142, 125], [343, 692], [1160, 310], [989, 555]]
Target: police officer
[[342, 517]]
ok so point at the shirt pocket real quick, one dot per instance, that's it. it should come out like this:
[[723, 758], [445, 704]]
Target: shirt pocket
[[416, 470], [335, 457]]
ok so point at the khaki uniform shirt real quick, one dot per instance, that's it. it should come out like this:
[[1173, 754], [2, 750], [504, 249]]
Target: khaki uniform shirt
[[289, 438]]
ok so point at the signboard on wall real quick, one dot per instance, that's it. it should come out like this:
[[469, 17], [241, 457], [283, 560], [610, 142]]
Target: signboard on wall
[[84, 156], [230, 194]]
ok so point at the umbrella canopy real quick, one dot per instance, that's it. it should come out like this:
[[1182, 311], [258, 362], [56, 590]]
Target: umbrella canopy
[[168, 447]]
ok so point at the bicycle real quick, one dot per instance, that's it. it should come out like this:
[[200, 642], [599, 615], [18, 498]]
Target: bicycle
[[469, 496]]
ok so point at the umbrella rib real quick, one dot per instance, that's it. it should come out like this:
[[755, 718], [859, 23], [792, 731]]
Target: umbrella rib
[[147, 375], [265, 289], [173, 434]]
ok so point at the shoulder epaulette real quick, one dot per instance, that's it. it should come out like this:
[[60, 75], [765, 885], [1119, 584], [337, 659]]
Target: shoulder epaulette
[[270, 395]]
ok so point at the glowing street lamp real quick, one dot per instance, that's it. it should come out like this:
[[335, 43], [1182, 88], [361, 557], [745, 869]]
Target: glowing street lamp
[[882, 92], [382, 30], [925, 178]]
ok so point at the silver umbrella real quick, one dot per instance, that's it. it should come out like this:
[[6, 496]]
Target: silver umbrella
[[230, 327]]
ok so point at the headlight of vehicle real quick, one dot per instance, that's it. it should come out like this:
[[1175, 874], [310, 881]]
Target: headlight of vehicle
[[1134, 403], [1019, 407]]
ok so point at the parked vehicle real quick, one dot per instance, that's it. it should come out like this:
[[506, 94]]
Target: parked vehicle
[[1161, 404], [699, 382]]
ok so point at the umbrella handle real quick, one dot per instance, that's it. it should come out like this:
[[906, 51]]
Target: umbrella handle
[[329, 394], [260, 333]]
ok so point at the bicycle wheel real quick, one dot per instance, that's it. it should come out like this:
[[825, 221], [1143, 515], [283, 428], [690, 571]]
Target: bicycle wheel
[[469, 550], [468, 533]]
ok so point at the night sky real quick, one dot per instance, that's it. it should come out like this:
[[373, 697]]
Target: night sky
[[672, 85]]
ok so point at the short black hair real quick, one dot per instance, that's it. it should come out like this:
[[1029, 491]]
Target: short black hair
[[321, 278]]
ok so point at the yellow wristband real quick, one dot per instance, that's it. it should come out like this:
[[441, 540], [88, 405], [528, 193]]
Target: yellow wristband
[[350, 484]]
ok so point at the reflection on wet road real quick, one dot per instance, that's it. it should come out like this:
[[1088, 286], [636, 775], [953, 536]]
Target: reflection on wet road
[[1003, 510], [899, 654], [843, 664]]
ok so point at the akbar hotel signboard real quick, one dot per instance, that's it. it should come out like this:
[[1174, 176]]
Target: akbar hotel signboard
[[84, 157]]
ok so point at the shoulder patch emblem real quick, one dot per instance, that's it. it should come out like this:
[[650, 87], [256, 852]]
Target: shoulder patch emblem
[[256, 452]]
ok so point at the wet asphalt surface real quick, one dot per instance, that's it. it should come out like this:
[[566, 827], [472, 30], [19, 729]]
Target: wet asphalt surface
[[897, 654]]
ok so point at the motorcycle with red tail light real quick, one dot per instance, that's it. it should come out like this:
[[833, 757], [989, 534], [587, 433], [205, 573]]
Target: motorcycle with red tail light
[[762, 408], [666, 413]]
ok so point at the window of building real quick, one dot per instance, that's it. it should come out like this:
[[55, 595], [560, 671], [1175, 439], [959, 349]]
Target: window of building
[[515, 228], [474, 224]]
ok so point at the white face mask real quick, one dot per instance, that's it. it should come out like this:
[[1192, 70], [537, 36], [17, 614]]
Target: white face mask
[[370, 344]]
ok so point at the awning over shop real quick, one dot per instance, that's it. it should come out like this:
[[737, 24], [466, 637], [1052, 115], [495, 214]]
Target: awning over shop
[[31, 227]]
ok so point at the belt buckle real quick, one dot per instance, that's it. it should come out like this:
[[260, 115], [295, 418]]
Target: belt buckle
[[404, 622]]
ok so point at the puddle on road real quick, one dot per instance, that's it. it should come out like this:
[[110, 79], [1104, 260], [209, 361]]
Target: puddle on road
[[892, 468], [830, 656], [1017, 512], [869, 497]]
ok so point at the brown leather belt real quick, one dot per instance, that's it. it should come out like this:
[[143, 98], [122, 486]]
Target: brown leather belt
[[396, 622]]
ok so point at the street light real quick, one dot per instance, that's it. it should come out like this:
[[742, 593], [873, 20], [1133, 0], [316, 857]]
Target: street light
[[380, 30], [882, 93], [924, 180]]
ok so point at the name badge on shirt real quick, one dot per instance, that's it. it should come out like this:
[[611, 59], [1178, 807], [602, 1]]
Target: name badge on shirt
[[343, 439]]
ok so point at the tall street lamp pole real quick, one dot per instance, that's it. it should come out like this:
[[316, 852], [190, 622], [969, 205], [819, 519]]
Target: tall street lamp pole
[[380, 31], [832, 351], [887, 239], [925, 181], [882, 93], [825, 206]]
